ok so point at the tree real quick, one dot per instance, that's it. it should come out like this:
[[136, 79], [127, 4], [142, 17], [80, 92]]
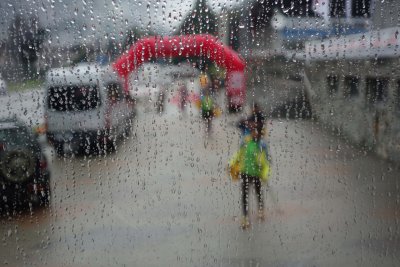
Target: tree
[[261, 13], [25, 39], [134, 34], [201, 19]]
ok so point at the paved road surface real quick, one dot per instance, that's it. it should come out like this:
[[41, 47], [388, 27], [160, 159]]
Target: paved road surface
[[164, 199]]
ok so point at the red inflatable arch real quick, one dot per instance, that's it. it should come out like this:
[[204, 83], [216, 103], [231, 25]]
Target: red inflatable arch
[[199, 45]]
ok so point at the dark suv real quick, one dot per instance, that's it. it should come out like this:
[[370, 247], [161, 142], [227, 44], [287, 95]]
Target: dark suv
[[24, 176]]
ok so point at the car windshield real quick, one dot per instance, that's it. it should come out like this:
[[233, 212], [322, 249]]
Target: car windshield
[[73, 98]]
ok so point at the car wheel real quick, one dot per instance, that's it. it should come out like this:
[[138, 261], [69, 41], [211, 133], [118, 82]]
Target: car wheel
[[17, 166]]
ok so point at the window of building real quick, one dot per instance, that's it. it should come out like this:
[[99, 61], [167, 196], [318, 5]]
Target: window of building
[[332, 84], [351, 85], [377, 90], [296, 8], [361, 8], [337, 8]]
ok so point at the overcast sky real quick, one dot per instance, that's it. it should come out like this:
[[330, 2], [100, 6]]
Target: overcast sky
[[75, 21]]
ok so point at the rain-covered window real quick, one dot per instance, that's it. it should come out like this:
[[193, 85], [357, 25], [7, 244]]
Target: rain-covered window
[[351, 86], [332, 84], [114, 91], [361, 8], [377, 90], [73, 98], [337, 8], [13, 136], [200, 133]]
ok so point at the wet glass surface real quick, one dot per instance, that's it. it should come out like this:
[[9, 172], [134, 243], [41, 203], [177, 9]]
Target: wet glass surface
[[200, 133]]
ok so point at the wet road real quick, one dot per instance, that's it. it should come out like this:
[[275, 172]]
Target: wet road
[[164, 199]]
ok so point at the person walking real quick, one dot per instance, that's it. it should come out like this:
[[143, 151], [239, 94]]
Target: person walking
[[183, 95], [207, 109], [256, 118], [253, 166], [160, 103]]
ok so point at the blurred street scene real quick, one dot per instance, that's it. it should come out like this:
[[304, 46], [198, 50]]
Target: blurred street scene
[[119, 122], [165, 198]]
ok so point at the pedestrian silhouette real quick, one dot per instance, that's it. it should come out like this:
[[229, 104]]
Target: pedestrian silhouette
[[250, 164]]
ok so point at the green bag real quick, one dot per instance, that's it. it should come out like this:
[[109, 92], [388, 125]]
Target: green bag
[[250, 159], [207, 104]]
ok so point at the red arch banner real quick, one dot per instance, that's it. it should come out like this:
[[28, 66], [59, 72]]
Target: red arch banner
[[199, 45]]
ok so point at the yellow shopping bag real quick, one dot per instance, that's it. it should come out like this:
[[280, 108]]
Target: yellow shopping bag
[[197, 103], [265, 167], [203, 81], [234, 166], [217, 111]]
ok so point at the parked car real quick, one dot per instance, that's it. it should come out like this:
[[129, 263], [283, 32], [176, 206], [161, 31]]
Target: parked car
[[86, 109], [24, 174]]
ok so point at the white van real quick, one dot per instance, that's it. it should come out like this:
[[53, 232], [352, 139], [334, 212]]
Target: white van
[[86, 108]]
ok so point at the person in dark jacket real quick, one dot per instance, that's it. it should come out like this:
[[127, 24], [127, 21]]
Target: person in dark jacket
[[256, 118]]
